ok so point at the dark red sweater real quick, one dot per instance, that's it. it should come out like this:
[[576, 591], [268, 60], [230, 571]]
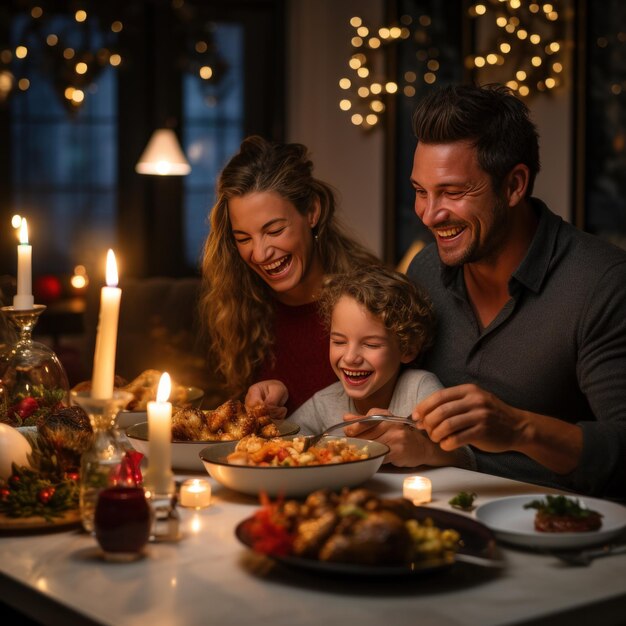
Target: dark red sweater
[[301, 350]]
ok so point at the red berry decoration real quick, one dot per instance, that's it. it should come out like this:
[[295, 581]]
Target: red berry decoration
[[45, 494], [14, 480], [4, 493], [26, 407], [75, 476]]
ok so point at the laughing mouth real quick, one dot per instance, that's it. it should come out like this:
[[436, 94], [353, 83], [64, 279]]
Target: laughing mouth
[[356, 377], [449, 233], [276, 267]]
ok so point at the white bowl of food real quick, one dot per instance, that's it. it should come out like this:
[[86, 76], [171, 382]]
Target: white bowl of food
[[188, 396], [186, 454], [290, 480]]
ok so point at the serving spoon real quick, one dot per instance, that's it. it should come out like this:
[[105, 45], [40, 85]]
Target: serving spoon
[[311, 440]]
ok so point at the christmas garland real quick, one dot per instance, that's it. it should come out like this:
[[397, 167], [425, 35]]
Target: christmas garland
[[28, 493], [43, 490], [27, 409]]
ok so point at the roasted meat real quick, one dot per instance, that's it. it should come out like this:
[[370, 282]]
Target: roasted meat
[[560, 514], [228, 422]]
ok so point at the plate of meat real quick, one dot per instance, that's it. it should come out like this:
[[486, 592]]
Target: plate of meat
[[550, 521], [356, 532], [195, 429]]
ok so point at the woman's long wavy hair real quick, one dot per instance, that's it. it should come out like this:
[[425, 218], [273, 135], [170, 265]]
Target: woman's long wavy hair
[[236, 305]]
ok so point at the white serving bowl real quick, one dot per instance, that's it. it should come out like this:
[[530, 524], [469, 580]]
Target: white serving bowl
[[292, 481], [186, 454], [126, 418]]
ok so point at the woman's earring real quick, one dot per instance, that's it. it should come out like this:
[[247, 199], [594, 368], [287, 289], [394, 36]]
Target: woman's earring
[[315, 235]]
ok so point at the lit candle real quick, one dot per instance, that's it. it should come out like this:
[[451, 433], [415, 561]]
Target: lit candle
[[24, 297], [159, 478], [196, 493], [418, 489], [106, 337]]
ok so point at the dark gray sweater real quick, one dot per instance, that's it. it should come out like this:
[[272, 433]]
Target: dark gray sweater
[[558, 347]]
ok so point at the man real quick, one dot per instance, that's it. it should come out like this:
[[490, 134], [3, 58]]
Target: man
[[531, 339]]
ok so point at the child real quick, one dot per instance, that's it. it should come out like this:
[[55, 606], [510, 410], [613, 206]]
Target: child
[[379, 324]]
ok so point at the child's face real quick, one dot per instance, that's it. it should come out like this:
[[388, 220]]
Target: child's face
[[364, 355]]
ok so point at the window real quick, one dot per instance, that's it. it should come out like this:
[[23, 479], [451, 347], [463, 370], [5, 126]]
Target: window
[[63, 165], [213, 121], [72, 174]]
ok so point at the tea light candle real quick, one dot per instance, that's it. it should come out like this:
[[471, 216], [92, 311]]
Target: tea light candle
[[195, 493], [418, 489], [24, 299], [159, 478], [106, 337]]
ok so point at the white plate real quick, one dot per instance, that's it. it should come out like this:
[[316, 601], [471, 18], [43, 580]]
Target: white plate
[[512, 523], [186, 454], [292, 481]]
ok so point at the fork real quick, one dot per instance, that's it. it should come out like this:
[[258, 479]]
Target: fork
[[584, 557], [311, 440]]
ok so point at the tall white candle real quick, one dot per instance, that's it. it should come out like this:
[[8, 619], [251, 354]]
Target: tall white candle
[[24, 297], [106, 337], [159, 477]]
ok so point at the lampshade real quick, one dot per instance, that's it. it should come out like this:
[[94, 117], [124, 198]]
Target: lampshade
[[163, 155]]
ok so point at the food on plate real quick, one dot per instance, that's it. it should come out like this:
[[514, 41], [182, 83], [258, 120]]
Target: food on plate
[[463, 500], [144, 390], [560, 514], [290, 452], [228, 422], [355, 526]]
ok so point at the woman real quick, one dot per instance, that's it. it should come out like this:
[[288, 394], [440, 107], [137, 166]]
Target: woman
[[274, 235]]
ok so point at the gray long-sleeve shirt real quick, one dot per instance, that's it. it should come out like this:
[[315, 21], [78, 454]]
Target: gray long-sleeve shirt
[[558, 347], [328, 406]]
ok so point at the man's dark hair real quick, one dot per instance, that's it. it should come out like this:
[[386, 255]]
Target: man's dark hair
[[491, 117]]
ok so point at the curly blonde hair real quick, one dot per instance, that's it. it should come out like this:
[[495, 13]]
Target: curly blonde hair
[[237, 306], [404, 309]]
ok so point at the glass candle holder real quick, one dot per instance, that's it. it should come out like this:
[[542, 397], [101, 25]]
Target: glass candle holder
[[32, 379], [122, 523], [195, 493], [102, 465], [418, 489]]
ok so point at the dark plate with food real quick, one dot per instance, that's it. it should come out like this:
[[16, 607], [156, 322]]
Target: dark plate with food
[[195, 429], [358, 532], [553, 521]]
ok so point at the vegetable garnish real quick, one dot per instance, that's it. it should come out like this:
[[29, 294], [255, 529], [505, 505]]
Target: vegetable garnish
[[463, 500], [560, 505]]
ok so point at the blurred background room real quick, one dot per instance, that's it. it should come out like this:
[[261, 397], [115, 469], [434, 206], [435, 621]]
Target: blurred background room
[[86, 87]]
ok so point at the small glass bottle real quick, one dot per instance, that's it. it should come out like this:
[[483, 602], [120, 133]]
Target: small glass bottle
[[103, 465]]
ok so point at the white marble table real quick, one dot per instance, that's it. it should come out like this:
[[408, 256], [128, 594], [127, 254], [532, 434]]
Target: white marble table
[[210, 578]]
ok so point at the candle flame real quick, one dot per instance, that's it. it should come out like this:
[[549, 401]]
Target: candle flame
[[164, 388], [111, 273], [24, 232]]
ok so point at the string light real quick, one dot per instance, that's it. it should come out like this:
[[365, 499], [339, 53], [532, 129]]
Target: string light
[[41, 45], [363, 93], [526, 49]]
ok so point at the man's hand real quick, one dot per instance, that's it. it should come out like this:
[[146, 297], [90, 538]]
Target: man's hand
[[408, 447], [272, 394], [469, 415]]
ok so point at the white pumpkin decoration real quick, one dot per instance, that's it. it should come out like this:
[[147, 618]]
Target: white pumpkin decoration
[[14, 448]]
